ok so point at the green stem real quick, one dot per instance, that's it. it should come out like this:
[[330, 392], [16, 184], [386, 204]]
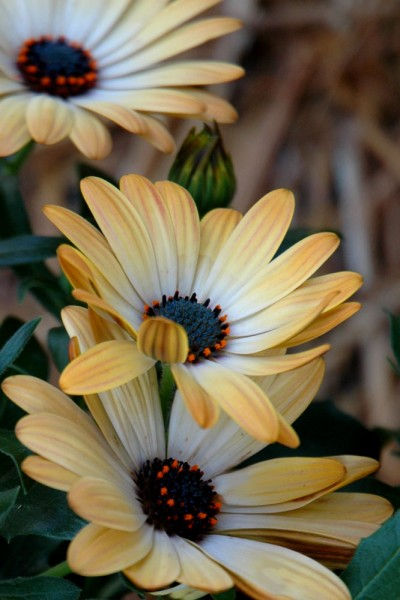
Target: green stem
[[167, 392], [60, 570]]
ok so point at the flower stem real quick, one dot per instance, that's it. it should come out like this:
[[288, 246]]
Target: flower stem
[[60, 570], [167, 392]]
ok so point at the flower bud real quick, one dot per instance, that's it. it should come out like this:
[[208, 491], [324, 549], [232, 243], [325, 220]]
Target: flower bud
[[204, 168]]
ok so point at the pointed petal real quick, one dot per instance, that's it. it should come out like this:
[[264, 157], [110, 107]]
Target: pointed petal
[[103, 503], [97, 303], [240, 397], [48, 120], [75, 268], [159, 568], [48, 473], [201, 406], [14, 132], [96, 550], [103, 367], [121, 115], [162, 339], [198, 570], [89, 135], [158, 135], [273, 573], [215, 108]]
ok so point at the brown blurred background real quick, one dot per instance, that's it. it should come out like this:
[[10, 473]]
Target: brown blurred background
[[319, 113]]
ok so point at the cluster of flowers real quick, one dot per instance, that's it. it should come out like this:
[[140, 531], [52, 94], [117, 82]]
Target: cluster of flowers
[[205, 299]]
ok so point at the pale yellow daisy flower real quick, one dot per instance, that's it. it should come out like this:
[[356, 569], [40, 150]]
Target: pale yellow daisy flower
[[206, 297], [66, 65], [176, 510]]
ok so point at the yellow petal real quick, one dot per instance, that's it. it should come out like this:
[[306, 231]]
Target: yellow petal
[[97, 303], [287, 435], [105, 504], [14, 132], [278, 480], [158, 135], [164, 340], [89, 135], [159, 568], [124, 117], [49, 119], [215, 108], [107, 365], [96, 550], [48, 473], [201, 406], [198, 570], [75, 267], [240, 397], [194, 72]]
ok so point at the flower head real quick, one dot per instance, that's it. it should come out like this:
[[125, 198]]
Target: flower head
[[66, 66], [205, 297], [174, 510]]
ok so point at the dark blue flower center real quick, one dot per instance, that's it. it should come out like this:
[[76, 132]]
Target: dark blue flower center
[[205, 328], [56, 66], [176, 498]]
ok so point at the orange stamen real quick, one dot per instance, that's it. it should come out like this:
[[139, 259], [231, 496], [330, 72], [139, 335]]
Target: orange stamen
[[212, 521], [171, 502], [188, 517], [164, 491]]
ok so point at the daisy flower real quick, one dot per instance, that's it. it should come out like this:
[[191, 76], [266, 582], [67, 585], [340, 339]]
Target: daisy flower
[[164, 510], [66, 65], [204, 297]]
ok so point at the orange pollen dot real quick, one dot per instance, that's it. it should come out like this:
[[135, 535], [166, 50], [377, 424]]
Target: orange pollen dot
[[188, 517], [32, 69], [212, 521], [191, 357], [222, 343], [216, 505], [194, 468], [61, 80], [91, 76], [160, 475], [218, 346], [156, 303], [175, 464], [227, 330], [206, 352], [45, 81], [72, 80], [165, 469], [202, 515], [223, 318], [171, 502], [164, 491]]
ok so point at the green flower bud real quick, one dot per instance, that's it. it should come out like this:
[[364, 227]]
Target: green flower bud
[[204, 168]]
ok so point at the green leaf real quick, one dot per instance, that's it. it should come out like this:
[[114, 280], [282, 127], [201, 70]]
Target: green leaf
[[11, 447], [167, 392], [38, 588], [42, 511], [228, 595], [7, 501], [27, 249], [374, 572], [27, 555], [394, 321], [58, 341], [14, 346]]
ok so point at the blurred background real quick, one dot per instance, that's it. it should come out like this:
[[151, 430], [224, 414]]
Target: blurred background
[[319, 113]]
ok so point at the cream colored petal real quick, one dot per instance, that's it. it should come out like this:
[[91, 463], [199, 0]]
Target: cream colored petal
[[162, 339], [292, 392], [126, 233], [97, 550], [185, 221], [215, 108], [89, 135], [278, 480], [287, 435], [251, 245], [158, 135], [75, 267], [8, 86], [154, 213], [257, 366], [195, 72], [198, 570], [216, 227], [216, 449], [71, 446], [159, 568], [281, 276], [120, 115], [48, 473], [93, 245], [275, 324], [13, 129], [103, 367], [49, 120], [202, 407], [182, 39], [103, 503], [240, 397], [344, 283], [273, 573], [92, 23], [97, 303], [324, 323]]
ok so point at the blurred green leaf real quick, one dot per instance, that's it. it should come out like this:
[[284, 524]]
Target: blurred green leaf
[[42, 511], [11, 447], [58, 341], [7, 501], [228, 595], [27, 249], [26, 555], [374, 572], [38, 588], [14, 346], [394, 322]]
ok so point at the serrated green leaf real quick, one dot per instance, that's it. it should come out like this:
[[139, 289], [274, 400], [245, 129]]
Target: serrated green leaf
[[11, 447], [27, 249], [374, 572], [42, 511], [38, 588], [14, 346], [58, 341], [7, 501]]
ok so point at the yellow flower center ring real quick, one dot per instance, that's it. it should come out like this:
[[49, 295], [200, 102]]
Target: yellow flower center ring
[[205, 328], [56, 66]]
